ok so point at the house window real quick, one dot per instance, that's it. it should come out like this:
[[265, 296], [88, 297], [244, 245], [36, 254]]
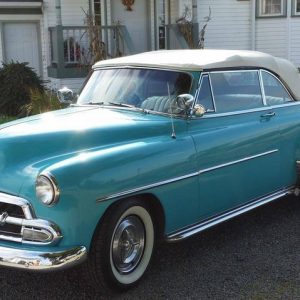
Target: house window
[[97, 11], [271, 8], [161, 21], [296, 9]]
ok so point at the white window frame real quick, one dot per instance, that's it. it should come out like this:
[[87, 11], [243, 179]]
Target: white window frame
[[92, 6], [295, 12], [261, 4], [164, 16]]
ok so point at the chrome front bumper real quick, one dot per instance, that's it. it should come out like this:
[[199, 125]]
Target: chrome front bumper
[[41, 261]]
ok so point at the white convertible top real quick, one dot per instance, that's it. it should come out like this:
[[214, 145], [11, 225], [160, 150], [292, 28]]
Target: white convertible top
[[198, 60]]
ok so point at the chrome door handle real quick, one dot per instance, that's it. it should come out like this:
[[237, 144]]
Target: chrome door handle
[[268, 115]]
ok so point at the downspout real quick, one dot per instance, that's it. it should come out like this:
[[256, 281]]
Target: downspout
[[253, 24], [58, 12], [195, 23], [194, 12]]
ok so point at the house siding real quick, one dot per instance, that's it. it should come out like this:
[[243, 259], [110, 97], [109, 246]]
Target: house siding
[[272, 36], [230, 25], [294, 51], [49, 13], [72, 12]]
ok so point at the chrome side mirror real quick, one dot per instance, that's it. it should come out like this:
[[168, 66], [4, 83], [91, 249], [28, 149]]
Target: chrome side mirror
[[198, 110], [65, 95]]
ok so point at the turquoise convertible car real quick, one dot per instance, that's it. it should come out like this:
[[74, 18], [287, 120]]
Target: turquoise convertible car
[[159, 145]]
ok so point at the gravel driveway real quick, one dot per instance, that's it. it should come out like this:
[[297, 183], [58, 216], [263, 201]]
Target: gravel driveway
[[255, 256]]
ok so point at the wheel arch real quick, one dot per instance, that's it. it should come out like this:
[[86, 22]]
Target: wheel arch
[[155, 208]]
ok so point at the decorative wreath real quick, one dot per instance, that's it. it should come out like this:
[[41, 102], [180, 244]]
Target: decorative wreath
[[128, 4]]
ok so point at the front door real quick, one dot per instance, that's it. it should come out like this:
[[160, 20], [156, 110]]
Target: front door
[[237, 142], [136, 22], [21, 44]]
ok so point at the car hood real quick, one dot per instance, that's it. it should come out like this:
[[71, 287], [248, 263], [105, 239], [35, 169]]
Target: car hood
[[30, 145]]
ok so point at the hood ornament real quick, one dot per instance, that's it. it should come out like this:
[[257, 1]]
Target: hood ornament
[[3, 218]]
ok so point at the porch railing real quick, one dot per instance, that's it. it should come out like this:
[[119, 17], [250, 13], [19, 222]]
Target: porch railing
[[71, 54]]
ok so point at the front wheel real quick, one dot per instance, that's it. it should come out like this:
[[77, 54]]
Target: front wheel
[[122, 246]]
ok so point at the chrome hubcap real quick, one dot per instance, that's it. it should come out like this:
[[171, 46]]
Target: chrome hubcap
[[128, 244]]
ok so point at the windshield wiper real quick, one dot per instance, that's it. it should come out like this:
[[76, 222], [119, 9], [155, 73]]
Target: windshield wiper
[[95, 103], [121, 104], [117, 104]]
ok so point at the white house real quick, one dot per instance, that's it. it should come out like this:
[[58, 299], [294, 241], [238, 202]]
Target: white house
[[52, 35], [271, 26]]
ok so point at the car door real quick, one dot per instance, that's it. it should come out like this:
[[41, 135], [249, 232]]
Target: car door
[[237, 142], [287, 112]]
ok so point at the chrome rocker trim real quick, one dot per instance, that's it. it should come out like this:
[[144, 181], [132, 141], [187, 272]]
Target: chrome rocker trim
[[196, 228], [41, 261]]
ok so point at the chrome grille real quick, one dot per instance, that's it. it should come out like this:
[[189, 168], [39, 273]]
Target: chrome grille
[[18, 223], [11, 230], [12, 210]]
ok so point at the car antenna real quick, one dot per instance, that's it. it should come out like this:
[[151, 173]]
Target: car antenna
[[172, 120]]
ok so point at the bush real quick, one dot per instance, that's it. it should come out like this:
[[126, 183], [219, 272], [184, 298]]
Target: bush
[[41, 101], [4, 119], [17, 80]]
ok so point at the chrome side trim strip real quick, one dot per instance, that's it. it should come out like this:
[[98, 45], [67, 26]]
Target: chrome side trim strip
[[237, 161], [196, 228], [41, 261], [153, 185], [212, 93], [262, 88]]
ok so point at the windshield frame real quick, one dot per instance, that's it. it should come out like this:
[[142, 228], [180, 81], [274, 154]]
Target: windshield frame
[[137, 109]]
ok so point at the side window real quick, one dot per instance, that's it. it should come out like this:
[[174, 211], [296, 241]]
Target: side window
[[236, 90], [204, 95], [275, 93]]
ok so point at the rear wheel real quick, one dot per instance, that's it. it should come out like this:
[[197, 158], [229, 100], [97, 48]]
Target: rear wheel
[[123, 246]]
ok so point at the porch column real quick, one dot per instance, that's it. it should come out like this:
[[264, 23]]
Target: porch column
[[1, 45], [152, 38], [58, 12], [59, 38]]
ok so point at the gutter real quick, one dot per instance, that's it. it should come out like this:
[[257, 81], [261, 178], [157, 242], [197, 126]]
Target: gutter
[[253, 24]]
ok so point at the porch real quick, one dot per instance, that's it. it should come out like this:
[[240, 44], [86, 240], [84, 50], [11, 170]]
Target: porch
[[73, 47]]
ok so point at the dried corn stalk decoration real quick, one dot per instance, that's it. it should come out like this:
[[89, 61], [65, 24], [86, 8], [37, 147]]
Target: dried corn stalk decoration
[[128, 4]]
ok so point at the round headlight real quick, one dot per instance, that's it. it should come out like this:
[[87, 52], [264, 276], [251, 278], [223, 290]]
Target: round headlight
[[46, 190]]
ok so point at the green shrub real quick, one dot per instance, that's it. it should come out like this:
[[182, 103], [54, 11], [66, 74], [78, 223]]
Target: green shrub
[[5, 119], [40, 101], [16, 82]]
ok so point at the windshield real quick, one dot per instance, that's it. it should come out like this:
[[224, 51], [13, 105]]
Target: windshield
[[148, 89]]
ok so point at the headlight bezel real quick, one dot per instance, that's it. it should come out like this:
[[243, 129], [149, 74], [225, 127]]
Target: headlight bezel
[[52, 183]]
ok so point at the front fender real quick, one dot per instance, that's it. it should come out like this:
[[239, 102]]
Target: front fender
[[97, 173]]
